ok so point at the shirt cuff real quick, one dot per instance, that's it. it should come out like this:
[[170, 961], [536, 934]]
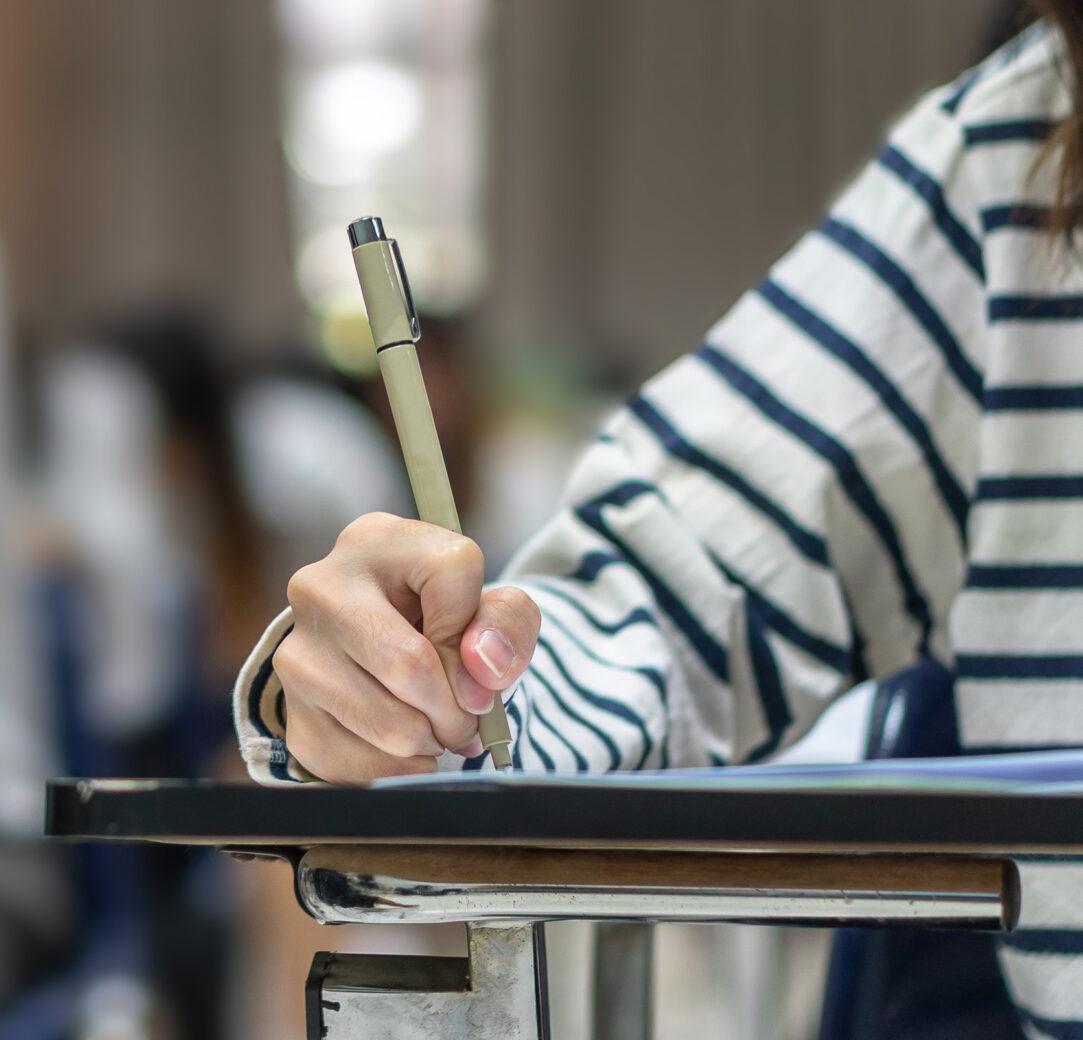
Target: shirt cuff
[[259, 712]]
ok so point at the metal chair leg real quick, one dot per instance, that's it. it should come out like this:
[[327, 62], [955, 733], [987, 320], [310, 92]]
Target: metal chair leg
[[623, 971]]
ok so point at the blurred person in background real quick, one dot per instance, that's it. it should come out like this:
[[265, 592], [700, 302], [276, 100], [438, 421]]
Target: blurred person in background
[[146, 559], [175, 494], [872, 461], [137, 477], [36, 906]]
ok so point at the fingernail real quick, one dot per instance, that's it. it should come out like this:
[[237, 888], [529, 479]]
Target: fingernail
[[476, 699], [495, 650], [473, 749]]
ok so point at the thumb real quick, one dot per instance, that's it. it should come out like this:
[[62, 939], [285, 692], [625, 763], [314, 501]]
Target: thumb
[[499, 642]]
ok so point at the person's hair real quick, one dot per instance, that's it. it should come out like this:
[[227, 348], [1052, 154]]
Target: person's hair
[[1067, 139]]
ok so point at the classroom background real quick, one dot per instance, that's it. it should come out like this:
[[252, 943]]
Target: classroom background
[[188, 411]]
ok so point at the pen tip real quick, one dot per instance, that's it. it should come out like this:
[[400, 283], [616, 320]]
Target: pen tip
[[501, 757]]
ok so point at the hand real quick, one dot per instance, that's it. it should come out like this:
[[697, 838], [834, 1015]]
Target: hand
[[396, 650]]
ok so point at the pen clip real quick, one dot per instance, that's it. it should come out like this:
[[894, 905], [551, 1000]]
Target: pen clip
[[404, 282]]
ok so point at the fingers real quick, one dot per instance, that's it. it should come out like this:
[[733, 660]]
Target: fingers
[[400, 703], [484, 640], [320, 682], [383, 571], [448, 585], [331, 752], [396, 650], [363, 601], [415, 565]]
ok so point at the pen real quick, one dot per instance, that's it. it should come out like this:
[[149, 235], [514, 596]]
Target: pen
[[395, 330]]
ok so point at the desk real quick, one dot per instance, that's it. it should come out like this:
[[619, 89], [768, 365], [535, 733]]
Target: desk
[[878, 844]]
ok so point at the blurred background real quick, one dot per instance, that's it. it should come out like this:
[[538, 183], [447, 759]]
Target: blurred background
[[187, 410]]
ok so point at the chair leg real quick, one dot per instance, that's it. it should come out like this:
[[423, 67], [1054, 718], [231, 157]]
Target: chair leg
[[623, 970]]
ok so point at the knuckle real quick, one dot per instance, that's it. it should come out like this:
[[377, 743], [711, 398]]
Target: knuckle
[[340, 704], [299, 585], [286, 660], [310, 689], [406, 661], [347, 705], [299, 669], [364, 529], [305, 591], [319, 600], [461, 557], [380, 731]]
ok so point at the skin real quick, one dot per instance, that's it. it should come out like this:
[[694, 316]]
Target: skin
[[396, 649]]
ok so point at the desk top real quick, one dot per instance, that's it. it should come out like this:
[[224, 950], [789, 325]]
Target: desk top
[[997, 804]]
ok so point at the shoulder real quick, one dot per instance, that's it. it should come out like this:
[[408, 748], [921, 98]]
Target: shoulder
[[1026, 79], [978, 140]]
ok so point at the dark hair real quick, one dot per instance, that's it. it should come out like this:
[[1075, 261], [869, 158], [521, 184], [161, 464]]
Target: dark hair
[[1067, 139]]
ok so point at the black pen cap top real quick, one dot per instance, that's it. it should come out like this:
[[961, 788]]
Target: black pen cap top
[[365, 230]]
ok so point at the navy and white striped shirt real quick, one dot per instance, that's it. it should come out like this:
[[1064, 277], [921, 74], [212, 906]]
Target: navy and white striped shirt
[[876, 456]]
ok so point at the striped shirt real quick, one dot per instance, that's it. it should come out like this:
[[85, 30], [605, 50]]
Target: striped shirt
[[876, 456]]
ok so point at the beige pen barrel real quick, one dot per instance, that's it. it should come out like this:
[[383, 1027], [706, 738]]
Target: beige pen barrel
[[394, 330], [416, 431]]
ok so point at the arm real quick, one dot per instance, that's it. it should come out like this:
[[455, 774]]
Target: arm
[[783, 512], [773, 517]]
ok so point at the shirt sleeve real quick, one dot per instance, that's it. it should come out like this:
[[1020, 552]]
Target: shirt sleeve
[[782, 512]]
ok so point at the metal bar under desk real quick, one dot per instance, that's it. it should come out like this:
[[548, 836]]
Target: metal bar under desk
[[339, 883]]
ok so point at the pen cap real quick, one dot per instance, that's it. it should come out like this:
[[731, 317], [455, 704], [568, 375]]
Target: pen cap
[[366, 229], [380, 273]]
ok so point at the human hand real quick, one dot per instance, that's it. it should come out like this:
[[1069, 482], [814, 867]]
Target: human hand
[[396, 650]]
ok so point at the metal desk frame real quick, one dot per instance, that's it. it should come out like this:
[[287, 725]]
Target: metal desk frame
[[505, 857]]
